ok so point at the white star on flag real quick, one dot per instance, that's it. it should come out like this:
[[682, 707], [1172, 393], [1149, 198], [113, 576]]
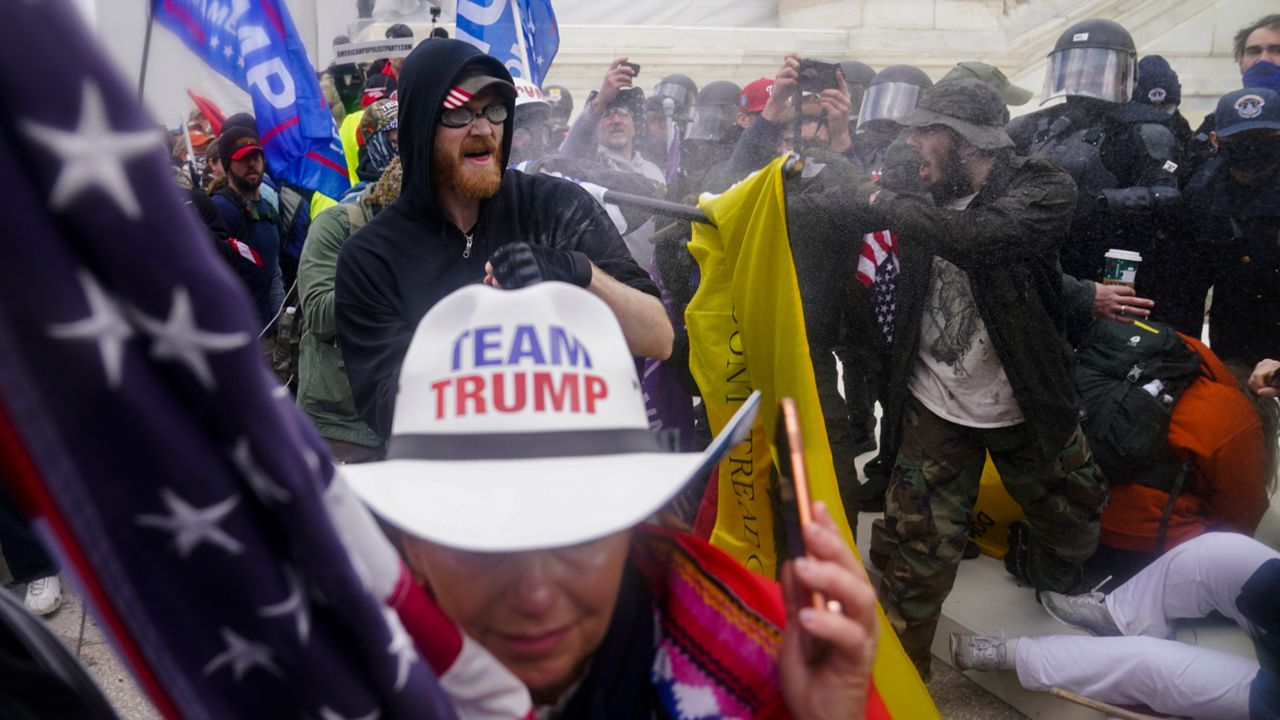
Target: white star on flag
[[105, 325], [213, 42], [178, 338], [261, 483], [295, 604], [228, 51], [93, 155], [242, 655], [240, 62], [192, 526], [401, 647]]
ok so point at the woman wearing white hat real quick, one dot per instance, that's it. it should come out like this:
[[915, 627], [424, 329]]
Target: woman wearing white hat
[[521, 471]]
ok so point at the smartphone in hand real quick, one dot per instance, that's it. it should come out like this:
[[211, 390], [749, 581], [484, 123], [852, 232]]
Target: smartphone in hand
[[635, 68], [793, 484]]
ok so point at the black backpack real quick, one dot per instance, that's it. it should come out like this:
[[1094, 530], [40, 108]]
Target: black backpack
[[1129, 377]]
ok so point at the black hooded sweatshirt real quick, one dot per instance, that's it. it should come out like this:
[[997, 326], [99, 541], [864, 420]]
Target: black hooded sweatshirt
[[409, 257]]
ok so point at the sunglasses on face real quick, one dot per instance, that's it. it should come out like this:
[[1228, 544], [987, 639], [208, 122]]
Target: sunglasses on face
[[461, 117]]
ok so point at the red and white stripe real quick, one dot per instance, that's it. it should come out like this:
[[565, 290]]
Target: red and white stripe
[[456, 98], [876, 247], [246, 252], [479, 687]]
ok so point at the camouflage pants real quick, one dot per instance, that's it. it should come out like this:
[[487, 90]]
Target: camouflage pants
[[931, 498]]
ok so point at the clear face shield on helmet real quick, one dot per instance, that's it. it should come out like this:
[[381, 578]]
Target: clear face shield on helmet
[[712, 122], [1099, 73], [679, 94], [888, 101]]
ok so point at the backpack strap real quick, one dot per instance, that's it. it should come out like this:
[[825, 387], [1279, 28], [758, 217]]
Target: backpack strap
[[1187, 468]]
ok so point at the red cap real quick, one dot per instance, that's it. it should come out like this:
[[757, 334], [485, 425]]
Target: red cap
[[755, 95], [235, 142]]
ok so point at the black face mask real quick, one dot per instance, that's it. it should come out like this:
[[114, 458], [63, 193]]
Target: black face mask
[[1251, 156]]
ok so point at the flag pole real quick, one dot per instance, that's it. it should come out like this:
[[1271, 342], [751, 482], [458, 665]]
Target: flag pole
[[146, 48], [794, 166]]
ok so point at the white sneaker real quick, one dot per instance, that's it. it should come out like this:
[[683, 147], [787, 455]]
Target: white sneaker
[[980, 652], [1087, 612], [44, 595]]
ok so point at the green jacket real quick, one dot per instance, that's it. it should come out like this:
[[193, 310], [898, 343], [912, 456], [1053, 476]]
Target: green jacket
[[323, 390], [1007, 241]]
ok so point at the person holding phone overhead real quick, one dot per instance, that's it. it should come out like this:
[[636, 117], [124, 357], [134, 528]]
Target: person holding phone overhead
[[606, 128], [517, 487]]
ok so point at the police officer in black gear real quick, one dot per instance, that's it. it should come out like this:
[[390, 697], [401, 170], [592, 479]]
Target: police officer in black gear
[[1233, 206], [1159, 87], [667, 120], [1122, 155], [713, 131]]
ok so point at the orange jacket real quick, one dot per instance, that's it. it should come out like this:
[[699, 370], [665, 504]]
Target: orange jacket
[[1215, 426]]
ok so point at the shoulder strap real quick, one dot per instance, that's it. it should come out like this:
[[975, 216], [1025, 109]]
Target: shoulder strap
[[355, 216], [248, 216]]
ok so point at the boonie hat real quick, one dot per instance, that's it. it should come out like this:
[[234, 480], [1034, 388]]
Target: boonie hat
[[990, 74], [520, 425], [235, 142], [470, 83], [1247, 109], [969, 106], [755, 95]]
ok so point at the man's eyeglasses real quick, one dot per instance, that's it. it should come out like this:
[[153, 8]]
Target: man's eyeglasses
[[616, 112], [461, 117]]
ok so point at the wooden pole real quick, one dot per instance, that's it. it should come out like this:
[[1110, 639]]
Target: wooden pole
[[1100, 706]]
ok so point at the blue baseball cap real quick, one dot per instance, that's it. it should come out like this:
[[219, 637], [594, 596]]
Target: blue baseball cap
[[1247, 109]]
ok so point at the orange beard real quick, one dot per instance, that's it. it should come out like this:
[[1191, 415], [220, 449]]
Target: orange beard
[[467, 179]]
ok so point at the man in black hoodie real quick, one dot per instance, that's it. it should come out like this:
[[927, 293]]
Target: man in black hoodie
[[462, 218]]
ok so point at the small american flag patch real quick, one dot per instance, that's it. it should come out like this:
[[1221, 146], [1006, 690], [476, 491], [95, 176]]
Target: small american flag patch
[[456, 98]]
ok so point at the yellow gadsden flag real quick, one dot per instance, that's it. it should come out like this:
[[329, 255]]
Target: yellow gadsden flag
[[747, 332]]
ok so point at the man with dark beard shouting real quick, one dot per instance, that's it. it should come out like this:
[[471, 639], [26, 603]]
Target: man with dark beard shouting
[[463, 217], [979, 364]]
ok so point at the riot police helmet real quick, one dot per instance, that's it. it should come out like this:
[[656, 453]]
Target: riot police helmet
[[715, 111], [682, 90], [857, 78], [893, 94], [1094, 59]]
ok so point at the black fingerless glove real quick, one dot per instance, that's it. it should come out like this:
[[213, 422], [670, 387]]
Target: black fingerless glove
[[519, 264]]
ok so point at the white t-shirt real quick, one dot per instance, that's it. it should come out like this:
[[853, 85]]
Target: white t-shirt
[[958, 375]]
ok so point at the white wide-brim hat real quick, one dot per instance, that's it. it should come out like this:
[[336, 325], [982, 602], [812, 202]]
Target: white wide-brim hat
[[520, 425]]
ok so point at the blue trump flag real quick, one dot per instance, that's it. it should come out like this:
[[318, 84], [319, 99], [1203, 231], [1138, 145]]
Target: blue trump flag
[[521, 33], [254, 44]]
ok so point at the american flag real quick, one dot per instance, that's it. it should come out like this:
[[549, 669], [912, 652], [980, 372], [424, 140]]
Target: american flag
[[190, 501], [878, 271]]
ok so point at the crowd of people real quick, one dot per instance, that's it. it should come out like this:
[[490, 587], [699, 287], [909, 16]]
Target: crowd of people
[[1029, 290]]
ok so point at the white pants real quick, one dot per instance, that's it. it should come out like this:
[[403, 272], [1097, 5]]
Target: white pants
[[1189, 581]]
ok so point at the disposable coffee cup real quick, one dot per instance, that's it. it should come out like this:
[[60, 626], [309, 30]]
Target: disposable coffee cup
[[1122, 267]]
